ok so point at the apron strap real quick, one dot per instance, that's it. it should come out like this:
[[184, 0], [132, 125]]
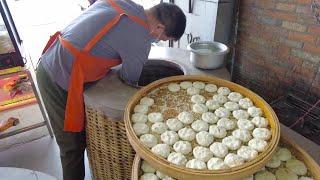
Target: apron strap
[[51, 41], [133, 18], [101, 33], [116, 6], [139, 21], [74, 117], [74, 51]]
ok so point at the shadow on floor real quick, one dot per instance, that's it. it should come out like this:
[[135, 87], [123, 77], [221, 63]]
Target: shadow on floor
[[39, 155]]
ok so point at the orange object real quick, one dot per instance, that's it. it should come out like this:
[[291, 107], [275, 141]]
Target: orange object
[[15, 90], [8, 124], [19, 103], [87, 68]]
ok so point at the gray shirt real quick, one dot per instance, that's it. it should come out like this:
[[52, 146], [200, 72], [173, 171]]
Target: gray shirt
[[126, 40]]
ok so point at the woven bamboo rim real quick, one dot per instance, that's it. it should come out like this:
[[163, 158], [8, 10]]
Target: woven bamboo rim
[[136, 168], [178, 172], [301, 154]]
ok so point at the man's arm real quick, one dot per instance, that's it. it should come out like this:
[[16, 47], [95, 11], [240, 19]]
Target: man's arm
[[132, 63]]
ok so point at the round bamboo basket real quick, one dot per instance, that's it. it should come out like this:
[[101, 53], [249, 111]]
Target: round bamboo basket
[[297, 151], [185, 173]]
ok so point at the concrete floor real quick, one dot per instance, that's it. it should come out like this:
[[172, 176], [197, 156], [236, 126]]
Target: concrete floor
[[39, 155]]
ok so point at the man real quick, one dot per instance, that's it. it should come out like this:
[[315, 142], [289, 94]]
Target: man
[[108, 33], [91, 2]]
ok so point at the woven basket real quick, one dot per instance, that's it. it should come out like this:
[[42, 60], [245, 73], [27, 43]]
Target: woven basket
[[297, 151], [109, 151], [178, 172]]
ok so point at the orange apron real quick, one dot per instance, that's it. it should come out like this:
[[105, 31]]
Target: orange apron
[[87, 68]]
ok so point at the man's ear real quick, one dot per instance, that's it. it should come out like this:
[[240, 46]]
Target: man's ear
[[160, 28]]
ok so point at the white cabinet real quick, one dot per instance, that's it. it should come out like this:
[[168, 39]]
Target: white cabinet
[[210, 20], [200, 23]]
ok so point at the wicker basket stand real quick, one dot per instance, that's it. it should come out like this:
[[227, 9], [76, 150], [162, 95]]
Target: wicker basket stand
[[109, 151]]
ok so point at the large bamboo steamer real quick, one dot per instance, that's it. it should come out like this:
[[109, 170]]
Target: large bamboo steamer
[[301, 154], [285, 141], [178, 172]]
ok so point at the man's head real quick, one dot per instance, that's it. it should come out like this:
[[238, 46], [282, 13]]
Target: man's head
[[166, 21]]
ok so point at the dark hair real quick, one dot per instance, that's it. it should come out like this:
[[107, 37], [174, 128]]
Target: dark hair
[[172, 17]]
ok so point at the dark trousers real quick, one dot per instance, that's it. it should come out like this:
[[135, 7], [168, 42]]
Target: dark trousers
[[72, 145]]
